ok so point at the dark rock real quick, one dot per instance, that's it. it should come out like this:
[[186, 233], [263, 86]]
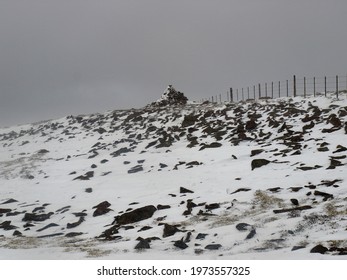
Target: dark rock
[[11, 200], [73, 234], [169, 230], [162, 165], [212, 145], [42, 151], [17, 233], [101, 208], [162, 207], [319, 249], [120, 152], [180, 244], [135, 169], [51, 235], [136, 215], [213, 247], [73, 225], [275, 190], [6, 225], [88, 190], [93, 166], [36, 218], [256, 152], [212, 206], [257, 163], [48, 226], [4, 211], [325, 195], [143, 244], [144, 228], [243, 227], [251, 234], [241, 190], [201, 236], [294, 201], [251, 125], [334, 120], [103, 161], [298, 248], [189, 120], [340, 149], [86, 176], [184, 190]]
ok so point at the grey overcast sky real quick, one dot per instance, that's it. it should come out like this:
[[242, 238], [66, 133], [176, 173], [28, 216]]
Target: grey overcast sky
[[62, 57]]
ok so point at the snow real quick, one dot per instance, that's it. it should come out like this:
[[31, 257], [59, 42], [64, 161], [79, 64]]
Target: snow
[[42, 180]]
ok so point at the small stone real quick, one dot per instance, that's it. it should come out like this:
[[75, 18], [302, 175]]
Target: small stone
[[213, 247]]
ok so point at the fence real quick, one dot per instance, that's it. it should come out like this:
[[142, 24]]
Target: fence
[[289, 88]]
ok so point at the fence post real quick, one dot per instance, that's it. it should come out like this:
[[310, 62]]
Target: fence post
[[287, 87], [259, 90], [279, 88], [304, 87], [294, 86], [237, 95], [325, 86], [231, 95], [337, 86], [314, 86], [272, 90], [254, 92], [247, 92]]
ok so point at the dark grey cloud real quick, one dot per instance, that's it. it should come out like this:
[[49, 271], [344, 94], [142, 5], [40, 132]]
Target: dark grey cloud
[[83, 56]]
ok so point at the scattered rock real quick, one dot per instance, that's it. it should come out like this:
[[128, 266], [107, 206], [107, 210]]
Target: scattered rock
[[243, 227], [184, 190], [169, 230], [136, 215], [257, 163], [135, 169], [213, 247], [36, 218], [101, 208], [143, 244], [319, 249], [180, 244]]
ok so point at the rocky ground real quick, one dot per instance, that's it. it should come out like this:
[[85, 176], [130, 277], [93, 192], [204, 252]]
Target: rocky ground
[[179, 179]]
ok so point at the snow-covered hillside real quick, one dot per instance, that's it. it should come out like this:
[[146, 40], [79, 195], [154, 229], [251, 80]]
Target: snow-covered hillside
[[252, 180]]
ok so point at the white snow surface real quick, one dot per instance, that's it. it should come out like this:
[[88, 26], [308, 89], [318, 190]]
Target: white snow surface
[[39, 164]]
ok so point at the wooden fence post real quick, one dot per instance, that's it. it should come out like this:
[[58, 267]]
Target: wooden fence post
[[287, 88], [231, 95], [247, 92], [272, 90], [337, 86], [259, 91], [279, 88], [254, 91], [325, 86], [314, 86], [294, 86], [304, 87]]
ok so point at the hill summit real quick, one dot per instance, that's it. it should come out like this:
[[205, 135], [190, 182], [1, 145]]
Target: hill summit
[[171, 97]]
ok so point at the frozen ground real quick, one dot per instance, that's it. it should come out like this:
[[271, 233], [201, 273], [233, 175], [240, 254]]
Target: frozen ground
[[253, 180]]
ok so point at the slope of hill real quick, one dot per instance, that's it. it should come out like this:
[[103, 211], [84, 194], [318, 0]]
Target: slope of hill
[[252, 180]]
